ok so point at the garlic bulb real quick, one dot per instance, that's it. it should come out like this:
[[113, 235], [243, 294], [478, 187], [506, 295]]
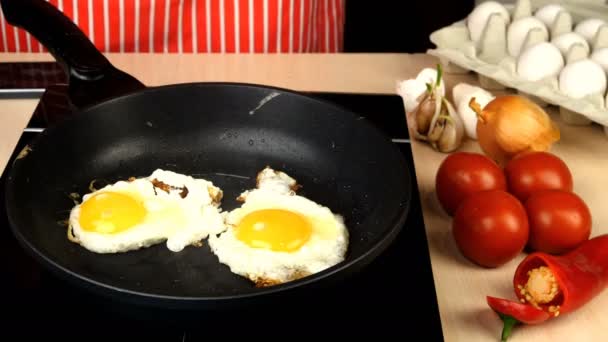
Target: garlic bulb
[[478, 18], [434, 119], [539, 61], [446, 130], [518, 32], [565, 41], [588, 28], [462, 94], [582, 78], [548, 13], [413, 90]]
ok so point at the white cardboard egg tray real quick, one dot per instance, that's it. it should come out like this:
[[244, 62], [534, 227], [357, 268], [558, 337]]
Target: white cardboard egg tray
[[489, 57]]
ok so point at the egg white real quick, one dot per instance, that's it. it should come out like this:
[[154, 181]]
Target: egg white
[[178, 221], [326, 247]]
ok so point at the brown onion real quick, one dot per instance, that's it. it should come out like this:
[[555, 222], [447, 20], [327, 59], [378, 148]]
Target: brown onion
[[512, 124]]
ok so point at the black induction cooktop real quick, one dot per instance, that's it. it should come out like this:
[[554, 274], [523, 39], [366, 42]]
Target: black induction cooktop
[[393, 297]]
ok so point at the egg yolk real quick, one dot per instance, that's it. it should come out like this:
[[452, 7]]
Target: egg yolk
[[110, 212], [274, 229]]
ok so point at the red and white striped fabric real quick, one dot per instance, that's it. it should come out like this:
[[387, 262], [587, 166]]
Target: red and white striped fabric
[[201, 26]]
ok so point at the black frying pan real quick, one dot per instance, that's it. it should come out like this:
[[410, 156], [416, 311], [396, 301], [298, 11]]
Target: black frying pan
[[223, 132]]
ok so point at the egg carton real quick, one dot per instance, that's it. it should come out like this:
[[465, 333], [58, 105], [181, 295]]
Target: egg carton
[[499, 49]]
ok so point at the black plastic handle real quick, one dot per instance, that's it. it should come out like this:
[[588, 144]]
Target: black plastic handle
[[92, 78]]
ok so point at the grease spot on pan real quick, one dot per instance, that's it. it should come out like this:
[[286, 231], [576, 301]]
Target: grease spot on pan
[[75, 197], [64, 223], [231, 175], [264, 101], [24, 152]]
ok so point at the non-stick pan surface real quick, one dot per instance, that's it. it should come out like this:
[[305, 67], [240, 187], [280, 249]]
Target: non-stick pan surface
[[225, 133]]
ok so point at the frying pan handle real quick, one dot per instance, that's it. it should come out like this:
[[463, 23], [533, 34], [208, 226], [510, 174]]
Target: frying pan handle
[[92, 78], [61, 36]]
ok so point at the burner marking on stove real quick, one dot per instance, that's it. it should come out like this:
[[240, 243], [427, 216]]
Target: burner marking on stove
[[33, 130], [401, 141]]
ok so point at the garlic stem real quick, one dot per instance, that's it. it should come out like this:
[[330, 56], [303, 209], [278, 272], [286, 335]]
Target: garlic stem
[[446, 118], [431, 87], [439, 75]]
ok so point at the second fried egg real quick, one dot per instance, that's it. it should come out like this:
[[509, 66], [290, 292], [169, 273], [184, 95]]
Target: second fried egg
[[278, 236]]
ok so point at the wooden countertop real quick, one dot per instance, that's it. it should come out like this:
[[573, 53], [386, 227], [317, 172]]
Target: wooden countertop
[[461, 287]]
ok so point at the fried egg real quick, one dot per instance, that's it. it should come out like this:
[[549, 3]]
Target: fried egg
[[277, 236], [138, 213]]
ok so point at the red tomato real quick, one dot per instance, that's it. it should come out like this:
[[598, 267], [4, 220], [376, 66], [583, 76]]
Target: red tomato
[[559, 221], [490, 228], [462, 174], [534, 171]]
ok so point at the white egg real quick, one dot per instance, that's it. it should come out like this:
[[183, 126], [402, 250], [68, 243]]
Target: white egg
[[548, 13], [461, 92], [478, 18], [277, 236], [518, 32], [582, 78], [138, 213], [565, 41], [600, 56], [588, 28], [539, 61]]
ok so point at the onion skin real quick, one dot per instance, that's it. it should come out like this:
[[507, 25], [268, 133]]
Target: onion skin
[[512, 124], [488, 144]]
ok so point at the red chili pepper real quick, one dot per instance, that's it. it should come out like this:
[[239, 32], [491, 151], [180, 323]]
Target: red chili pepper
[[513, 313], [581, 275]]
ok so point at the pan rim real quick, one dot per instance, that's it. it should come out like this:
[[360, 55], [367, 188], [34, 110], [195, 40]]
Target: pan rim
[[395, 227]]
